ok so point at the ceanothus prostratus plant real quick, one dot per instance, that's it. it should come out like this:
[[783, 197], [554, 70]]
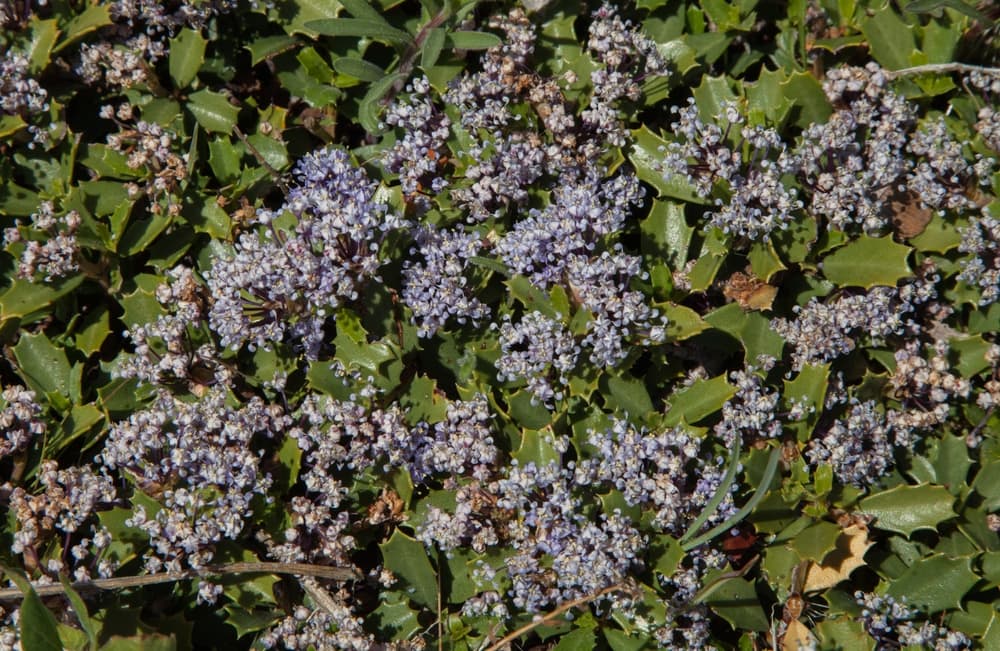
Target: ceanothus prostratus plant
[[402, 325]]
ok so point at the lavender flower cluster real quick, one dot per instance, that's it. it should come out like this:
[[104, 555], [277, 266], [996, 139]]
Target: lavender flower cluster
[[199, 458], [512, 179], [437, 289], [533, 350], [48, 245], [656, 469], [20, 420], [891, 623], [759, 201], [824, 331], [277, 286], [981, 239], [65, 510], [168, 350], [851, 167], [19, 93], [139, 37]]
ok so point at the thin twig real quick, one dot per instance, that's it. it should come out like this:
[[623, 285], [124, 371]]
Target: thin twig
[[319, 595], [118, 583], [440, 625], [408, 60], [982, 423], [569, 605], [939, 68]]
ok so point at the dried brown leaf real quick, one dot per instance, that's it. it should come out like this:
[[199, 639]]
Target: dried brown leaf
[[909, 214], [848, 556], [750, 292], [797, 637]]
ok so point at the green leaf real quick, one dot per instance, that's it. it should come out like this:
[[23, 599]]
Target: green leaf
[[407, 559], [43, 38], [712, 95], [628, 394], [422, 400], [810, 105], [682, 322], [370, 108], [844, 634], [527, 413], [395, 620], [11, 124], [362, 9], [302, 85], [906, 509], [935, 583], [971, 353], [764, 260], [808, 388], [538, 447], [721, 492], [646, 156], [668, 554], [867, 262], [766, 98], [462, 40], [17, 201], [271, 150], [26, 299], [622, 641], [80, 420], [666, 234], [701, 399], [213, 111], [80, 610], [433, 45], [951, 466], [153, 642], [736, 601], [530, 296], [43, 365], [224, 159], [931, 6], [889, 38], [269, 46], [358, 68], [361, 28], [816, 541], [141, 307], [752, 329], [713, 253], [96, 328], [108, 162], [939, 236], [987, 484], [93, 18], [315, 65], [249, 621], [39, 631], [307, 11], [187, 54], [763, 488], [578, 640], [213, 220], [679, 53], [141, 233]]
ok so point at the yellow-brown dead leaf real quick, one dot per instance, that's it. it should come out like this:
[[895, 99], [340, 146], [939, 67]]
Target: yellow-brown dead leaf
[[848, 556], [909, 215], [798, 637], [750, 292]]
